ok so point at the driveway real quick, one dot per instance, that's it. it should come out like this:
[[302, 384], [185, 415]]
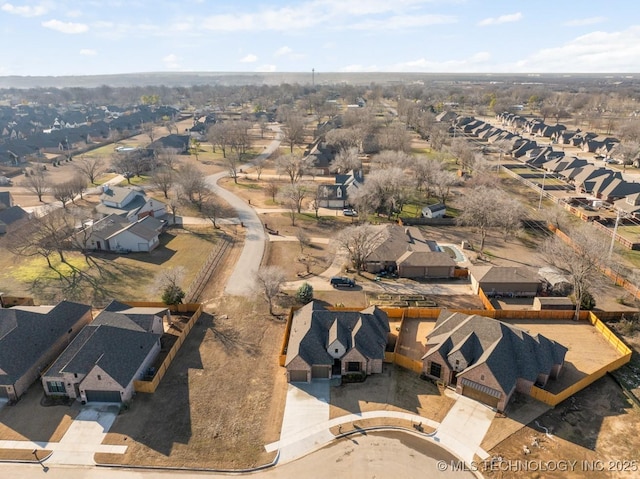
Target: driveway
[[81, 441], [464, 427], [307, 407]]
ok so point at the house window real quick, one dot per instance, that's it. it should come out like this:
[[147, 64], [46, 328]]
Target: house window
[[482, 377], [457, 362], [99, 378], [435, 369], [353, 367], [339, 192], [75, 375], [56, 387], [335, 350]]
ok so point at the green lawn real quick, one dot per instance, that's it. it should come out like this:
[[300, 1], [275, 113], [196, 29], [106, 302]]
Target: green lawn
[[125, 277]]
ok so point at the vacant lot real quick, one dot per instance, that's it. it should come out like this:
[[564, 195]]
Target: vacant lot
[[286, 254], [220, 402], [600, 424], [396, 389]]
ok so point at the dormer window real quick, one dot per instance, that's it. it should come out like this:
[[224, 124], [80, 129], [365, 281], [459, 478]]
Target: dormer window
[[335, 350]]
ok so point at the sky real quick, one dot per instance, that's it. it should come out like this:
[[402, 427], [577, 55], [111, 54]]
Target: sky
[[93, 37]]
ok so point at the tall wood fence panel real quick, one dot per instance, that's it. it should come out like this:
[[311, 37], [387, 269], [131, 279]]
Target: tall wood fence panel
[[151, 386]]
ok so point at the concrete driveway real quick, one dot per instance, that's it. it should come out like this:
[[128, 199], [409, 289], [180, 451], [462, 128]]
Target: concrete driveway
[[307, 406], [464, 427], [81, 441]]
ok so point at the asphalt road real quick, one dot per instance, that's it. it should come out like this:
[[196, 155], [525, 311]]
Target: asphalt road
[[242, 281], [380, 455]]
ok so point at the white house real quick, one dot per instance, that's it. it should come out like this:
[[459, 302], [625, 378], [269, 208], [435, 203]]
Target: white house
[[434, 211], [129, 202], [115, 233]]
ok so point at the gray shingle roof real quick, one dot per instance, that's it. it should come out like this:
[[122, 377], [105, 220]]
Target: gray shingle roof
[[395, 240], [509, 352], [425, 258], [26, 335], [114, 341], [504, 274], [11, 215], [365, 330]]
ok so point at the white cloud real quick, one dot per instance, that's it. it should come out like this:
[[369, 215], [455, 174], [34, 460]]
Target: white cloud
[[88, 52], [283, 51], [65, 27], [334, 14], [473, 63], [401, 22], [512, 17], [250, 58], [266, 68], [595, 52], [74, 14], [25, 10], [580, 22], [171, 61]]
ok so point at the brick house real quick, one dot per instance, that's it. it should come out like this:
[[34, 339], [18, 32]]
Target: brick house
[[325, 343], [488, 360]]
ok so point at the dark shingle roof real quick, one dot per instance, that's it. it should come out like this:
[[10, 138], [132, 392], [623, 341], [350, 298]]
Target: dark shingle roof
[[311, 331], [114, 341], [509, 352], [26, 334]]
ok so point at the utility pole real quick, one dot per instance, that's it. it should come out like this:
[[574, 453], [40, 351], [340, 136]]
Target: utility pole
[[313, 77], [613, 237], [544, 177]]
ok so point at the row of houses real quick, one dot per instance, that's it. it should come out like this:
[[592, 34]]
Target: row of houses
[[75, 355], [482, 358], [28, 133], [587, 178]]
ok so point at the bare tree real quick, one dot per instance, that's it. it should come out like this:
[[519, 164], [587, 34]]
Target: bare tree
[[192, 185], [38, 183], [384, 192], [258, 164], [63, 192], [270, 279], [463, 152], [272, 188], [168, 158], [294, 166], [482, 208], [219, 135], [579, 259], [147, 129], [345, 161], [92, 168], [292, 196], [303, 239], [294, 129], [78, 185], [443, 181], [163, 178], [359, 241], [627, 151]]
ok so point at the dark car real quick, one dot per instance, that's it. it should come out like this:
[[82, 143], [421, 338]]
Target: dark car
[[342, 282]]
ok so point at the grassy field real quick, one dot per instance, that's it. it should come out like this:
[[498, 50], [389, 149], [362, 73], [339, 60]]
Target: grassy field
[[126, 277]]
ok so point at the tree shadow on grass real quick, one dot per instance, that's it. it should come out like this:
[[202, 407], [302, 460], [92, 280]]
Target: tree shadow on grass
[[158, 421]]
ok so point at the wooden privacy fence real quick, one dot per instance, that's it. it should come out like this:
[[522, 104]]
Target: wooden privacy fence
[[555, 399], [152, 385], [485, 301]]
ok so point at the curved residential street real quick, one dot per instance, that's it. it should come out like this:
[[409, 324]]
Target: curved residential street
[[243, 278]]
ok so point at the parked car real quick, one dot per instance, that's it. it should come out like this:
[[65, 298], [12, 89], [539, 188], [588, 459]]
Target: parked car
[[349, 212], [342, 282]]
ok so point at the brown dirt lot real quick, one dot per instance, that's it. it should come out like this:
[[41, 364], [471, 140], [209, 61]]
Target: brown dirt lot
[[603, 428], [396, 389], [588, 350], [286, 253], [220, 401]]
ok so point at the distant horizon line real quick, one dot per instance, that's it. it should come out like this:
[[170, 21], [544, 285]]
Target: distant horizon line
[[320, 72]]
